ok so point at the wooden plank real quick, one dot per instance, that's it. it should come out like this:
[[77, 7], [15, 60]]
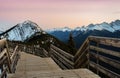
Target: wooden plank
[[2, 43], [2, 53], [14, 53], [82, 48], [107, 60], [58, 62], [104, 70], [59, 55], [46, 53], [83, 54], [63, 59], [81, 62], [40, 52], [2, 75], [8, 60], [14, 62], [2, 60], [65, 54], [106, 41], [110, 52], [45, 68]]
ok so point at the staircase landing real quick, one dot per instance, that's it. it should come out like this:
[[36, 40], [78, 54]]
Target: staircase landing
[[30, 66]]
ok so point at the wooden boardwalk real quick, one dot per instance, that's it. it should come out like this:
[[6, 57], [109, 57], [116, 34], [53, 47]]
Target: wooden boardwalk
[[30, 66]]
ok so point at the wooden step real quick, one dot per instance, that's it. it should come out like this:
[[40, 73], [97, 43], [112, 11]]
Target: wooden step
[[77, 73], [30, 66]]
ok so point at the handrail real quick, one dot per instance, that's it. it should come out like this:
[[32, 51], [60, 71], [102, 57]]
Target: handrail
[[81, 55], [2, 53], [7, 61], [110, 61], [3, 74], [104, 70], [81, 48], [63, 59], [106, 41], [63, 53], [98, 51], [90, 55], [101, 50], [14, 53]]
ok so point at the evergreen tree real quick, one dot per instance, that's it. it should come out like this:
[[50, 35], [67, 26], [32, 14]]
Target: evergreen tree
[[71, 41], [71, 44]]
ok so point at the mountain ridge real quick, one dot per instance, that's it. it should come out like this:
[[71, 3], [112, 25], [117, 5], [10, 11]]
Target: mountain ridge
[[22, 31], [81, 33], [101, 26]]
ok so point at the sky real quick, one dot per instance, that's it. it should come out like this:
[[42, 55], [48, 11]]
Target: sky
[[50, 14]]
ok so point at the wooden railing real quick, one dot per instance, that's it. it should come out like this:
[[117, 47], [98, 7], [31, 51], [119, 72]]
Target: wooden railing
[[8, 60], [100, 54], [34, 49], [80, 58], [62, 58]]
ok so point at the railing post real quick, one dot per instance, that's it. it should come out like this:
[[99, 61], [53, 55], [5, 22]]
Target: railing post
[[98, 57], [49, 52], [88, 55]]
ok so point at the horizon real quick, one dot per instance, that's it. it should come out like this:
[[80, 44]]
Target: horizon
[[49, 14], [68, 26]]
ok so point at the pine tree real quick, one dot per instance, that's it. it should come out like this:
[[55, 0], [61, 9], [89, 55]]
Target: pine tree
[[71, 41], [71, 44]]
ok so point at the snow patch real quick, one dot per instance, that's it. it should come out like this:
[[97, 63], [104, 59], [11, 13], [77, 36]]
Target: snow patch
[[23, 31]]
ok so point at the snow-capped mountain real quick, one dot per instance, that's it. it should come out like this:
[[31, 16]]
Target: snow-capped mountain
[[80, 33], [111, 27], [102, 26], [22, 31], [65, 29], [60, 33]]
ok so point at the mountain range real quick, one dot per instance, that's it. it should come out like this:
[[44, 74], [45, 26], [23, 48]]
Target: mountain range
[[81, 33], [26, 30]]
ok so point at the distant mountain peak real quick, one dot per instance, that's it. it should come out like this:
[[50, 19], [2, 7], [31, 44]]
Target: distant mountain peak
[[111, 27], [91, 25], [64, 29], [22, 31], [29, 22]]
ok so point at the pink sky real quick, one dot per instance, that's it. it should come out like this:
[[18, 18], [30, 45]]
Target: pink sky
[[58, 13]]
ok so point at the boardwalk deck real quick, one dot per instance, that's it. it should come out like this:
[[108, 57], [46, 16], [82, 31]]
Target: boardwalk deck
[[30, 66]]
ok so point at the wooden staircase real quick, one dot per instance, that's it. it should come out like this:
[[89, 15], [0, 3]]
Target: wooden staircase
[[98, 54], [31, 66]]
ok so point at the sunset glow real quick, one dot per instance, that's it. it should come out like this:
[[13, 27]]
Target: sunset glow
[[58, 13]]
